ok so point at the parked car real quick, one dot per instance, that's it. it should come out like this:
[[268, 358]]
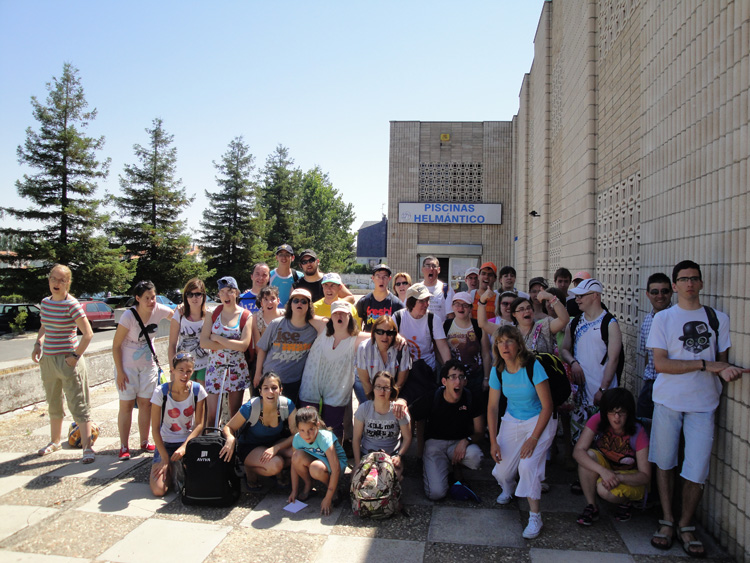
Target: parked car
[[116, 301], [9, 312], [99, 314], [159, 299]]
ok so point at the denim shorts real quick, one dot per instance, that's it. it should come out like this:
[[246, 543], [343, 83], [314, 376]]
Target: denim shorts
[[698, 428]]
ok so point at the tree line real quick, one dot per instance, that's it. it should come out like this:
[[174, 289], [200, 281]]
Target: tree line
[[250, 212]]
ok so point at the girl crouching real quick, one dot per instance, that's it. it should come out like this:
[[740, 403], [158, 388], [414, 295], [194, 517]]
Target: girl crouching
[[317, 455]]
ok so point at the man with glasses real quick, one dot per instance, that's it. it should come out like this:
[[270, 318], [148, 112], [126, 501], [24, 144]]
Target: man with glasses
[[379, 301], [454, 425], [441, 295], [313, 277], [283, 276], [471, 279], [690, 344], [469, 345], [260, 276], [593, 362], [659, 293]]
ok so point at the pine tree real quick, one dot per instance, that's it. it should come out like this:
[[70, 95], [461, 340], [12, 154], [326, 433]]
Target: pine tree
[[68, 223], [234, 225], [326, 221], [281, 190], [150, 208]]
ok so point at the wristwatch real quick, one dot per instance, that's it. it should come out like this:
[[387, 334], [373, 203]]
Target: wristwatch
[[602, 389]]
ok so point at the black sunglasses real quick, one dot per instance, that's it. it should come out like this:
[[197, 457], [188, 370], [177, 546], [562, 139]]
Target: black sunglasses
[[302, 301], [397, 284], [193, 294], [308, 261], [381, 332], [663, 291]]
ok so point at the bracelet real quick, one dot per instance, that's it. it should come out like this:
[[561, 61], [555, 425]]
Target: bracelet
[[553, 301], [482, 302], [535, 439], [575, 362], [704, 365]]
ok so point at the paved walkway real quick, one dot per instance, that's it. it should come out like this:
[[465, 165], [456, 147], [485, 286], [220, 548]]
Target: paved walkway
[[56, 509]]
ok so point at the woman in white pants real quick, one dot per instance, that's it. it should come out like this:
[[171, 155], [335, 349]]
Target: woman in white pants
[[527, 428]]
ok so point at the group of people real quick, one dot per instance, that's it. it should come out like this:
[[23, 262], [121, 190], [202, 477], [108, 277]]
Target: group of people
[[460, 364]]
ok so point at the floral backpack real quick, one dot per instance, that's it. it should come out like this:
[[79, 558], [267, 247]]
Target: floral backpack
[[375, 489]]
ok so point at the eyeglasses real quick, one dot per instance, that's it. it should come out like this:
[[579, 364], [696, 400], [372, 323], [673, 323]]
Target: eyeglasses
[[523, 309], [54, 279], [455, 377], [300, 301], [308, 261], [694, 279], [191, 295], [381, 332], [399, 284], [382, 388], [461, 305], [506, 303], [430, 266], [663, 291], [585, 295]]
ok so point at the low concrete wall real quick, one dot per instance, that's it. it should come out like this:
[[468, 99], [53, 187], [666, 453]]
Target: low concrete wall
[[22, 384]]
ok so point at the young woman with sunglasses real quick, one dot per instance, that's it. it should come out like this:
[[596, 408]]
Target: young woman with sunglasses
[[539, 336], [286, 343], [380, 353], [186, 325]]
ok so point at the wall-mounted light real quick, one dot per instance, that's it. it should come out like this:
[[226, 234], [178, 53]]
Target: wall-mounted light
[[534, 214]]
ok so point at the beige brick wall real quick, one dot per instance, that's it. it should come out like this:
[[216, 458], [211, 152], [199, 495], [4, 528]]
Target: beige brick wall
[[632, 141], [413, 143]]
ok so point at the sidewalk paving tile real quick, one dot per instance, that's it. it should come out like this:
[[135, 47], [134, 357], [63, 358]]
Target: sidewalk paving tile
[[54, 492], [73, 534], [113, 405], [436, 552], [345, 549], [480, 526], [557, 556], [150, 542], [270, 513], [268, 546], [637, 537], [14, 518], [126, 499], [17, 557], [104, 467], [10, 482], [413, 527], [558, 499]]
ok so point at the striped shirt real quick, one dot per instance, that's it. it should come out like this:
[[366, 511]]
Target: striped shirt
[[59, 322]]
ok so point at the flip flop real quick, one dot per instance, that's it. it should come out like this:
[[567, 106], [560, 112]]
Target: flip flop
[[658, 535], [686, 545], [89, 456], [49, 448]]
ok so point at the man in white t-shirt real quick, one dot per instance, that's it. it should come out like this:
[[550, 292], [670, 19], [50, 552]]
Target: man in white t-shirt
[[593, 363], [690, 344], [441, 295]]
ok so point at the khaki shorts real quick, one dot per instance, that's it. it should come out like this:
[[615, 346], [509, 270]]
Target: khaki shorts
[[58, 378], [623, 491]]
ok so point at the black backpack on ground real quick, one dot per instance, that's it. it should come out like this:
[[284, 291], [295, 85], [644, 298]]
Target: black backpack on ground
[[209, 480]]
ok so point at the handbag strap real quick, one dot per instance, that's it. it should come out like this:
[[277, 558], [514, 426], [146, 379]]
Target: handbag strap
[[145, 333]]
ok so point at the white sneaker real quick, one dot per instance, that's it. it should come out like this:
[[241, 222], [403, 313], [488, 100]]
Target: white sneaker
[[534, 527], [504, 498]]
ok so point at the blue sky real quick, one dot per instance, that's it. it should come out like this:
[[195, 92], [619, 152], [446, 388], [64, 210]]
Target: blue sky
[[322, 78]]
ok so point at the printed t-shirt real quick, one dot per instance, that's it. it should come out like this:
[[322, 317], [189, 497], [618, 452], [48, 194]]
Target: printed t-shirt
[[286, 348], [381, 431], [320, 445], [190, 339], [368, 358], [247, 301], [523, 401], [134, 341], [59, 322], [588, 350], [687, 335], [617, 449], [466, 347], [179, 416], [370, 309], [440, 303]]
